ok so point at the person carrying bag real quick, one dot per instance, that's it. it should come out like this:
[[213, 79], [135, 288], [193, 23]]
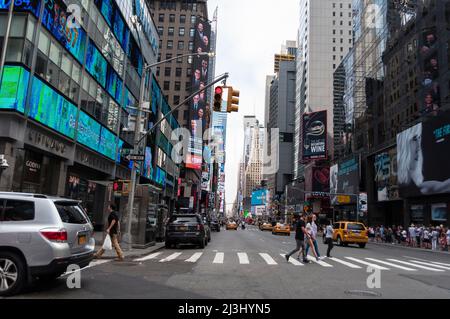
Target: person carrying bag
[[112, 237]]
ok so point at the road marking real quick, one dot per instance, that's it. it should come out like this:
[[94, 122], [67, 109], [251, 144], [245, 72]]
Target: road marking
[[149, 257], [219, 258], [194, 258], [322, 263], [429, 261], [91, 264], [293, 261], [243, 259], [390, 264], [170, 258], [367, 264], [424, 263], [415, 265], [269, 260], [346, 263], [443, 264]]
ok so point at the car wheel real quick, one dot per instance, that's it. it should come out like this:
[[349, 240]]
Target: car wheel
[[362, 245], [202, 243], [339, 241], [12, 274]]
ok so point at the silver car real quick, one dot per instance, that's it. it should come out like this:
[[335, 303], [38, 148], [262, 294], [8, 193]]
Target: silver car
[[40, 236]]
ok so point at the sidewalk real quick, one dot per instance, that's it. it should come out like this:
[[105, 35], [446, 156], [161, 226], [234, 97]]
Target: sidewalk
[[111, 254], [410, 248]]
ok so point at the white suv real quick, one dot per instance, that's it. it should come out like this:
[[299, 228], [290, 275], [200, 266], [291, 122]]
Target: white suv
[[40, 236]]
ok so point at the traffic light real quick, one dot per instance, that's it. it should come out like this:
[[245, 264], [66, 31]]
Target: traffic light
[[233, 100], [218, 92]]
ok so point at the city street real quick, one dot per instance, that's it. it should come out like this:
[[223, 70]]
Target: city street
[[250, 264]]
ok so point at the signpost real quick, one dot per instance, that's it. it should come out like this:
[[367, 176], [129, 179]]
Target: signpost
[[136, 158]]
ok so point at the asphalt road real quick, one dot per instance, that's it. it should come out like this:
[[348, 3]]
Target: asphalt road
[[250, 264]]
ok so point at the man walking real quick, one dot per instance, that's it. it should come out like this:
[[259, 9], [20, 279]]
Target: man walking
[[329, 238], [113, 231], [300, 233]]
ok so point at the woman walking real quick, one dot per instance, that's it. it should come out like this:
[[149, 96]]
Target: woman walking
[[329, 238]]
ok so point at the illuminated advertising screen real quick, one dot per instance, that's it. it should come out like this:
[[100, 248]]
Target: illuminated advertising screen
[[385, 167], [423, 153], [14, 88], [315, 136], [107, 144], [96, 64], [88, 131], [259, 197], [321, 181], [160, 177], [114, 84], [348, 178], [51, 109], [111, 13], [22, 5], [55, 19], [148, 163]]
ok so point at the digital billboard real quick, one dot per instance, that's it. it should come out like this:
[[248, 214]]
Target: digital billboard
[[88, 131], [430, 97], [315, 136], [334, 183], [345, 181], [148, 163], [13, 89], [96, 64], [385, 169], [423, 153], [259, 197], [321, 181], [51, 109], [107, 143], [22, 5]]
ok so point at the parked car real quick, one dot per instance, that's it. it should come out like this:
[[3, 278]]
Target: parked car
[[40, 236], [186, 229], [215, 226], [349, 233]]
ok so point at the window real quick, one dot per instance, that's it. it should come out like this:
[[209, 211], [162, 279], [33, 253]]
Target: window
[[180, 45], [171, 31], [334, 31], [71, 213], [157, 71], [181, 32], [160, 30], [193, 19], [183, 18], [176, 101], [192, 32], [191, 46], [178, 72], [334, 49], [341, 22], [189, 72], [186, 115], [169, 44], [334, 40], [177, 86], [44, 43], [167, 71], [161, 18], [334, 14], [168, 56], [16, 211], [172, 18], [166, 85], [180, 59]]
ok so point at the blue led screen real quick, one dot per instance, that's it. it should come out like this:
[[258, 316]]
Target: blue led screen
[[107, 144], [88, 131], [14, 88], [96, 64], [23, 5]]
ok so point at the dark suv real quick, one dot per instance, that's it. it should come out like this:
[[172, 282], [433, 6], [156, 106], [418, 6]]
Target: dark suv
[[186, 229]]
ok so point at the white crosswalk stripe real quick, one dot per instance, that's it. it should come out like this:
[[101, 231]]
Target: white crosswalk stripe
[[170, 258], [149, 257], [293, 261], [367, 264], [194, 258], [443, 264], [424, 263], [243, 259], [391, 264], [346, 263], [269, 260], [320, 262], [219, 258], [415, 265]]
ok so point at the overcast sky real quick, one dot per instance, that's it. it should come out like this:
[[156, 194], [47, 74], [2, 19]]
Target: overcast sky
[[250, 32]]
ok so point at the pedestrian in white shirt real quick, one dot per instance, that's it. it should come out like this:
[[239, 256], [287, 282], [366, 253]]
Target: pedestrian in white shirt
[[434, 239]]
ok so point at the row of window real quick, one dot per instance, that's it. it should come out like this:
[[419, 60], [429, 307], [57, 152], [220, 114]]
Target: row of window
[[178, 72], [180, 46], [182, 18]]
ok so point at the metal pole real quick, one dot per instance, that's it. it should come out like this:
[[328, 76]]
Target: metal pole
[[5, 41], [137, 130]]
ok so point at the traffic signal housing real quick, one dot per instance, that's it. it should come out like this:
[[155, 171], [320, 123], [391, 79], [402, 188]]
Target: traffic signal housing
[[218, 93], [233, 100]]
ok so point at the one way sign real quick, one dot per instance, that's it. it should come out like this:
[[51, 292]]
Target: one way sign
[[136, 157]]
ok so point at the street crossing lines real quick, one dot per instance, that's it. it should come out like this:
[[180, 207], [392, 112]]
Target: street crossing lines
[[367, 264], [292, 260], [320, 262], [243, 259], [433, 265], [391, 264], [170, 258], [269, 260], [194, 258], [219, 258], [149, 257], [415, 265], [346, 263]]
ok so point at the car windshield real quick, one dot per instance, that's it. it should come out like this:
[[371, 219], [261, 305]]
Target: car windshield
[[71, 213], [355, 227], [183, 219]]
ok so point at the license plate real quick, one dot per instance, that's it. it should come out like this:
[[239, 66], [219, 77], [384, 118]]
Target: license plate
[[182, 228], [82, 240]]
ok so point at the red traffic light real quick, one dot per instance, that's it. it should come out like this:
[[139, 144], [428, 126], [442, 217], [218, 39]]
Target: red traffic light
[[219, 90]]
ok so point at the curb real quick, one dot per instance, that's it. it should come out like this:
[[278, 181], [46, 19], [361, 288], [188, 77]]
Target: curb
[[411, 248]]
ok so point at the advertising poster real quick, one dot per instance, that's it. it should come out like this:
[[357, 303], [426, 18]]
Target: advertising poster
[[385, 169], [430, 93], [439, 212], [315, 136], [417, 213], [333, 183], [321, 181], [259, 197], [423, 153], [348, 180]]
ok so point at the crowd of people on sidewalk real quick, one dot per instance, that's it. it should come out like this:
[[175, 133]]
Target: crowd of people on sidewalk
[[418, 236]]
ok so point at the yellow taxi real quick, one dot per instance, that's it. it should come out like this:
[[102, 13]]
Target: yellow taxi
[[350, 233], [281, 229], [265, 226], [232, 226]]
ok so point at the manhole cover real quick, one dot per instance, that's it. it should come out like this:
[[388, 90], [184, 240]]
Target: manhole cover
[[363, 293]]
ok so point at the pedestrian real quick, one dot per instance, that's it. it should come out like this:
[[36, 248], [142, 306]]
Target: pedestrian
[[113, 231], [412, 235], [310, 242], [434, 238], [371, 234], [404, 237], [300, 234], [426, 238], [313, 237], [418, 231], [329, 238]]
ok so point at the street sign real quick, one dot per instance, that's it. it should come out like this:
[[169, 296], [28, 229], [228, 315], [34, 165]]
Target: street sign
[[136, 157]]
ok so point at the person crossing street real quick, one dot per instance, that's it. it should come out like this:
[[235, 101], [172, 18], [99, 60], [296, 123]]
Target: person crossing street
[[113, 231], [300, 234], [313, 238], [329, 238]]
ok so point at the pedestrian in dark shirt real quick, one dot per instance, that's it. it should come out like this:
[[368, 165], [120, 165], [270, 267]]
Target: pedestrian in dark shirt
[[300, 233], [113, 230]]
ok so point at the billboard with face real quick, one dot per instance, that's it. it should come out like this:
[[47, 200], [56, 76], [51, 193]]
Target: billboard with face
[[333, 183], [315, 136], [423, 153]]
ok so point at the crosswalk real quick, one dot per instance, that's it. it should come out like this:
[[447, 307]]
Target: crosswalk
[[264, 258]]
